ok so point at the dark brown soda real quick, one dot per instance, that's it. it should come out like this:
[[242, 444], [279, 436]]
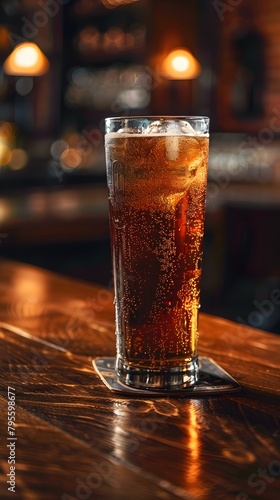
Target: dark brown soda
[[157, 190]]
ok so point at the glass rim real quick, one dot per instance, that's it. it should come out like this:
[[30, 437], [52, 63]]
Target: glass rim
[[158, 117], [139, 124]]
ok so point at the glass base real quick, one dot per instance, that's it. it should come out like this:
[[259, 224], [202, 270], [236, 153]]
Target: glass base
[[173, 379], [213, 379]]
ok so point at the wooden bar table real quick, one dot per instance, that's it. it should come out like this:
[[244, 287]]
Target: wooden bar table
[[68, 437]]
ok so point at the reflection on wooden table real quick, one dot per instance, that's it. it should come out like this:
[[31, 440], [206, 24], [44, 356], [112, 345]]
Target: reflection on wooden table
[[76, 440]]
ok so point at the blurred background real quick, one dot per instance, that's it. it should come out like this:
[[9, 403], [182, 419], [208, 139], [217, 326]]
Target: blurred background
[[88, 59]]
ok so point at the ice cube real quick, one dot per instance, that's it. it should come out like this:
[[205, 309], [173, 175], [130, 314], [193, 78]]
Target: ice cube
[[175, 128], [172, 147], [202, 127], [157, 127], [186, 128], [127, 131], [180, 127]]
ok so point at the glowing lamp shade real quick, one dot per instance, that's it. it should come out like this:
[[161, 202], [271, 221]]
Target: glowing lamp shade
[[180, 64], [26, 60]]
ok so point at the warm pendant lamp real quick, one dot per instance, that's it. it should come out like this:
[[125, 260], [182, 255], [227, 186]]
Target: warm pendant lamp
[[27, 59], [180, 64]]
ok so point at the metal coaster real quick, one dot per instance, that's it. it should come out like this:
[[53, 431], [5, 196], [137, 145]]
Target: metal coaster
[[212, 379]]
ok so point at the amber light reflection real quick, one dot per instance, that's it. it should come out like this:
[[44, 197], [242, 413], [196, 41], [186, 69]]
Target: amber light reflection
[[141, 424], [193, 445], [28, 285]]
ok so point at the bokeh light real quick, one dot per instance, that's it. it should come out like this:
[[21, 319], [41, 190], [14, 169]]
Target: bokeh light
[[5, 210], [8, 131], [4, 38], [71, 158], [24, 85], [112, 4], [58, 147], [127, 86], [19, 159], [5, 154]]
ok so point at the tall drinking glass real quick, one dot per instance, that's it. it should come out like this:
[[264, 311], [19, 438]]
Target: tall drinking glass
[[157, 175]]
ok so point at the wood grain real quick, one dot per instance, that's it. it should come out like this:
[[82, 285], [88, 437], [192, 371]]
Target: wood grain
[[74, 434]]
